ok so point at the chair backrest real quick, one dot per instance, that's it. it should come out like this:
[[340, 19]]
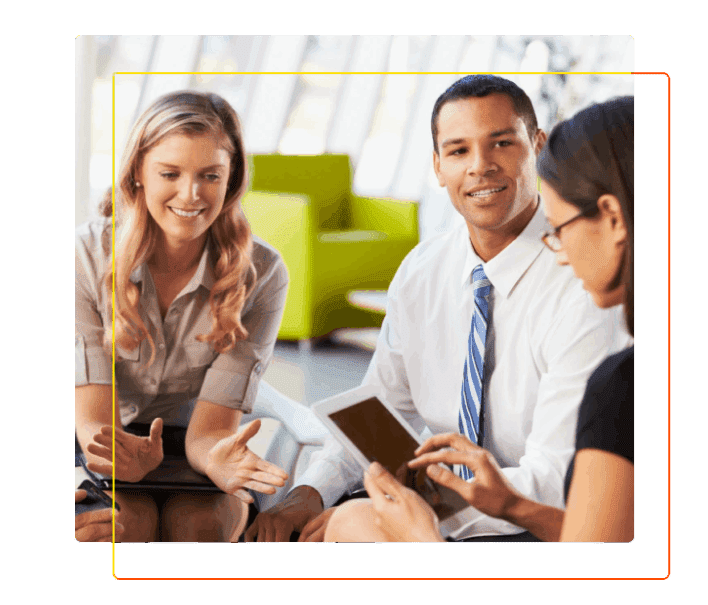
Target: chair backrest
[[325, 179]]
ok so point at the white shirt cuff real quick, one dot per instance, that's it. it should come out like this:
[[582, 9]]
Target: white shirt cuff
[[326, 479]]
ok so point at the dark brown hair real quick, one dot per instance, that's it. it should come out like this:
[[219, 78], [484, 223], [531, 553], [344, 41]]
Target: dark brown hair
[[590, 155]]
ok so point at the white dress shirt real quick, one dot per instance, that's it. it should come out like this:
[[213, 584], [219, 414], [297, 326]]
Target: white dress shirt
[[546, 338]]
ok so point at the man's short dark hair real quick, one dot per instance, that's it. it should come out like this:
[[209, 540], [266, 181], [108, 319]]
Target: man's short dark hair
[[481, 86]]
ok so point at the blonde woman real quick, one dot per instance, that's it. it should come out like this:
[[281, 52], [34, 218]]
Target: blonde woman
[[198, 302]]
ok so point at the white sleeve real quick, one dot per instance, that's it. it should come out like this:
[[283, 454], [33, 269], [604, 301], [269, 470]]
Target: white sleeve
[[332, 472], [576, 344], [387, 370]]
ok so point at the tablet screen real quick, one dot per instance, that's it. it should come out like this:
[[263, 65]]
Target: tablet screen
[[380, 437], [376, 433]]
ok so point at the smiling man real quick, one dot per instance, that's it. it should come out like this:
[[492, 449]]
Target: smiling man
[[484, 334], [485, 155]]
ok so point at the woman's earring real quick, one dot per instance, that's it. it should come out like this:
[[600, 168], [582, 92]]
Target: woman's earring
[[137, 184]]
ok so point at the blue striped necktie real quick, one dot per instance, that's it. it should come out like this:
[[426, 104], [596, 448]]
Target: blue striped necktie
[[471, 407]]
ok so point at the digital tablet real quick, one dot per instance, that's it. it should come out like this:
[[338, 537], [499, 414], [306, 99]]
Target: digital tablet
[[372, 431]]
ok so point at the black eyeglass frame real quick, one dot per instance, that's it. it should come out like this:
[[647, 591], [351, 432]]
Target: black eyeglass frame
[[547, 237]]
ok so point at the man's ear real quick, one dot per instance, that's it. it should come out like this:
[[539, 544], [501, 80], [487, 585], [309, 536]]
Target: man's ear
[[611, 210], [436, 167], [539, 141]]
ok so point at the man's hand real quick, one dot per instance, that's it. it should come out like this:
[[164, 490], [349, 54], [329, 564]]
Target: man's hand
[[135, 456], [314, 531], [233, 467], [399, 511], [490, 492], [301, 506], [94, 526]]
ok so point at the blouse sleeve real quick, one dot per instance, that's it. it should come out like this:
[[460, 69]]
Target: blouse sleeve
[[93, 363], [233, 378]]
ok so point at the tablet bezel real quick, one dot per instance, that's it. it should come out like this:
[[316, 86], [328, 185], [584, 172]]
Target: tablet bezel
[[345, 400]]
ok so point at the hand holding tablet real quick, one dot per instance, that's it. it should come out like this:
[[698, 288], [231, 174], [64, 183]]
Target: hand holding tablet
[[372, 431], [404, 514]]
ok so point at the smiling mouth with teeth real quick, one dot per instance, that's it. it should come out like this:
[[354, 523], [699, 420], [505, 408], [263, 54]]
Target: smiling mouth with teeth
[[486, 192], [185, 214]]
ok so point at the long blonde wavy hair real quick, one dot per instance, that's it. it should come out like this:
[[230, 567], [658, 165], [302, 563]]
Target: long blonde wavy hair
[[192, 114]]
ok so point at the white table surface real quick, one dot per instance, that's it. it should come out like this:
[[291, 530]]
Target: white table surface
[[372, 300]]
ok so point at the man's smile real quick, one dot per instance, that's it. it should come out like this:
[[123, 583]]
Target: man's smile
[[486, 192]]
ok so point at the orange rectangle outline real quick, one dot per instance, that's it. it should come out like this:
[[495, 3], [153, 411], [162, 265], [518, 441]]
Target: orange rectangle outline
[[668, 573]]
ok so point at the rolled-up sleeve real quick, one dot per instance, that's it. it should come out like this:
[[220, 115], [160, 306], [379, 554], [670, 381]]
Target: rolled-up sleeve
[[233, 378], [93, 363]]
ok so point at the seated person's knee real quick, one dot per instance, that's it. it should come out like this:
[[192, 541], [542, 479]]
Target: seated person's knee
[[353, 521], [139, 516], [183, 520], [202, 517]]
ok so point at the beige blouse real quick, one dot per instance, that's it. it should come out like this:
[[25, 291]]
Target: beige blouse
[[184, 370]]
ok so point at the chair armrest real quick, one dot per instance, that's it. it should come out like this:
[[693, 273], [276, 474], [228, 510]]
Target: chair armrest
[[278, 218], [299, 420]]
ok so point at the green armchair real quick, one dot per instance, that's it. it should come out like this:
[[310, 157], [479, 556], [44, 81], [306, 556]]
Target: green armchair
[[332, 241]]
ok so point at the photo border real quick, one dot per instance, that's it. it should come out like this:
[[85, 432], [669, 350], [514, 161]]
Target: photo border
[[403, 73]]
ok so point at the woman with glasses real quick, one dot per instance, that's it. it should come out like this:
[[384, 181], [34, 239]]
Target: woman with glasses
[[197, 302], [587, 174]]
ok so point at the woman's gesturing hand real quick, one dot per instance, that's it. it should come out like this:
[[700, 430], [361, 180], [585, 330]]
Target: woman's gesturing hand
[[399, 511], [232, 466], [489, 491], [135, 456]]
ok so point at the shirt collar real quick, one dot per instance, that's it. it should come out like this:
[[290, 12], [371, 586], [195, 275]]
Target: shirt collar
[[138, 274], [471, 258], [204, 275], [506, 269]]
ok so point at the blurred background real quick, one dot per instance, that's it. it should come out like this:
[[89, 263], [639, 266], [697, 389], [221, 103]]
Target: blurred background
[[381, 121], [340, 257]]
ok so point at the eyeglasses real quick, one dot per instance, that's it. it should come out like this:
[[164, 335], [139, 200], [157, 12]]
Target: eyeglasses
[[551, 239]]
